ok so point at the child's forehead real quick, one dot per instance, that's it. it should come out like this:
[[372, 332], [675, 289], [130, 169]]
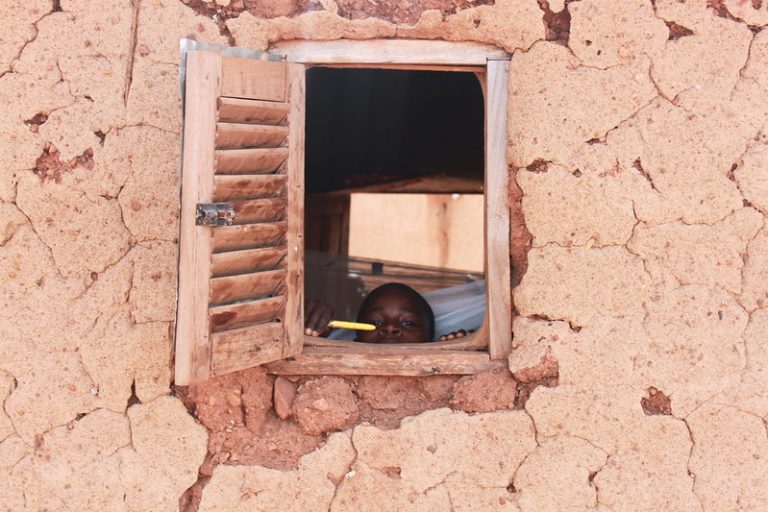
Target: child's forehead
[[400, 296]]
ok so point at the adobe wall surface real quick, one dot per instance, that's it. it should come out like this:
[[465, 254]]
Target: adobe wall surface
[[638, 137]]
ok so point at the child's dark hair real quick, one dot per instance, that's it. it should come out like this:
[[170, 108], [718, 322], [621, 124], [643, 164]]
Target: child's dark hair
[[410, 291]]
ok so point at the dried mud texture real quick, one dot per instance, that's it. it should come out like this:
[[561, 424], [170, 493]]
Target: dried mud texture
[[520, 237], [11, 219], [691, 178], [654, 455], [325, 404], [550, 111], [154, 71], [641, 451], [106, 461], [726, 47], [754, 12], [148, 196], [696, 343], [710, 255], [310, 487], [561, 284], [385, 401], [509, 24], [388, 10], [751, 177], [729, 458], [754, 293], [22, 18], [89, 377], [256, 33], [603, 354], [756, 66], [83, 234], [160, 25], [403, 12], [260, 8], [163, 436], [471, 394], [283, 396], [756, 370], [556, 476], [418, 466], [634, 32], [236, 410], [244, 429], [594, 206]]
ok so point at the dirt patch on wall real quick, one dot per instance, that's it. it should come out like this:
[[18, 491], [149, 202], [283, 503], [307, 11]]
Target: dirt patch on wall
[[676, 31], [256, 418], [519, 237], [390, 10], [720, 9], [656, 403], [258, 8], [557, 24], [50, 167], [546, 373], [403, 12]]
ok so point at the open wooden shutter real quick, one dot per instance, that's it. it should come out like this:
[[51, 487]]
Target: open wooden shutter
[[240, 266]]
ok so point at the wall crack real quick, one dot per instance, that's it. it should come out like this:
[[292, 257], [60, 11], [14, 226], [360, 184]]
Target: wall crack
[[132, 50]]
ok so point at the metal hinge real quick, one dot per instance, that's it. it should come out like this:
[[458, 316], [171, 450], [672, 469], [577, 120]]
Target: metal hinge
[[215, 214]]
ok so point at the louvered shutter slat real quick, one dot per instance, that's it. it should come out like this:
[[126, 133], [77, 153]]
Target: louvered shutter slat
[[250, 186], [246, 286], [250, 161], [240, 135], [249, 236], [252, 111], [249, 211], [246, 261]]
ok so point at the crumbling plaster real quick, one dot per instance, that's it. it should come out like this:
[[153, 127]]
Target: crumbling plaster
[[638, 135]]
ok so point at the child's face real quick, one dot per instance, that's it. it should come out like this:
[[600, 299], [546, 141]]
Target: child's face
[[398, 317]]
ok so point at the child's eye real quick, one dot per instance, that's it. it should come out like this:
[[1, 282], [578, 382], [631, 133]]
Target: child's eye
[[408, 323], [377, 323]]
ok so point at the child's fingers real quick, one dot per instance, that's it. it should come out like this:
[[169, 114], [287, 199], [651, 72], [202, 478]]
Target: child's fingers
[[325, 318], [455, 334], [318, 316]]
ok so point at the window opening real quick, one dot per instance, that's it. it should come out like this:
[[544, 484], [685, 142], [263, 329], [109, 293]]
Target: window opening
[[394, 173]]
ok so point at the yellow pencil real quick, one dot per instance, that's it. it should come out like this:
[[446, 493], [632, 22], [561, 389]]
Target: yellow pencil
[[341, 324]]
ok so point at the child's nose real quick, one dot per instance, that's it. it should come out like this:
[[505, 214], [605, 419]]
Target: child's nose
[[392, 329]]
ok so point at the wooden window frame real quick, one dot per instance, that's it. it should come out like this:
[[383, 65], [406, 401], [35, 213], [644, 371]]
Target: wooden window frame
[[487, 348], [214, 334]]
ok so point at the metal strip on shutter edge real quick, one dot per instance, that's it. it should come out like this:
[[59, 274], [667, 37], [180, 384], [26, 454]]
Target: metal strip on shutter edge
[[186, 46]]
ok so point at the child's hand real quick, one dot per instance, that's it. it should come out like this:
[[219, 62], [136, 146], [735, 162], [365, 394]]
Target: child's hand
[[318, 314], [455, 334]]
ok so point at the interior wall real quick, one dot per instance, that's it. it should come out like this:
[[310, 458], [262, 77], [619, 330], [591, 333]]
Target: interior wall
[[638, 137], [436, 230]]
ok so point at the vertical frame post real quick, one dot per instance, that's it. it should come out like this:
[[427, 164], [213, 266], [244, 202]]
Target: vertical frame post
[[294, 307], [498, 287], [193, 350]]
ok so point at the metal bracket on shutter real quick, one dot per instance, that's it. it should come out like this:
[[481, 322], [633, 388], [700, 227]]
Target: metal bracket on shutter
[[215, 214]]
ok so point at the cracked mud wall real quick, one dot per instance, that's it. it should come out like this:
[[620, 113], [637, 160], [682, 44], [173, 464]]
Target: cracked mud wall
[[638, 138]]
